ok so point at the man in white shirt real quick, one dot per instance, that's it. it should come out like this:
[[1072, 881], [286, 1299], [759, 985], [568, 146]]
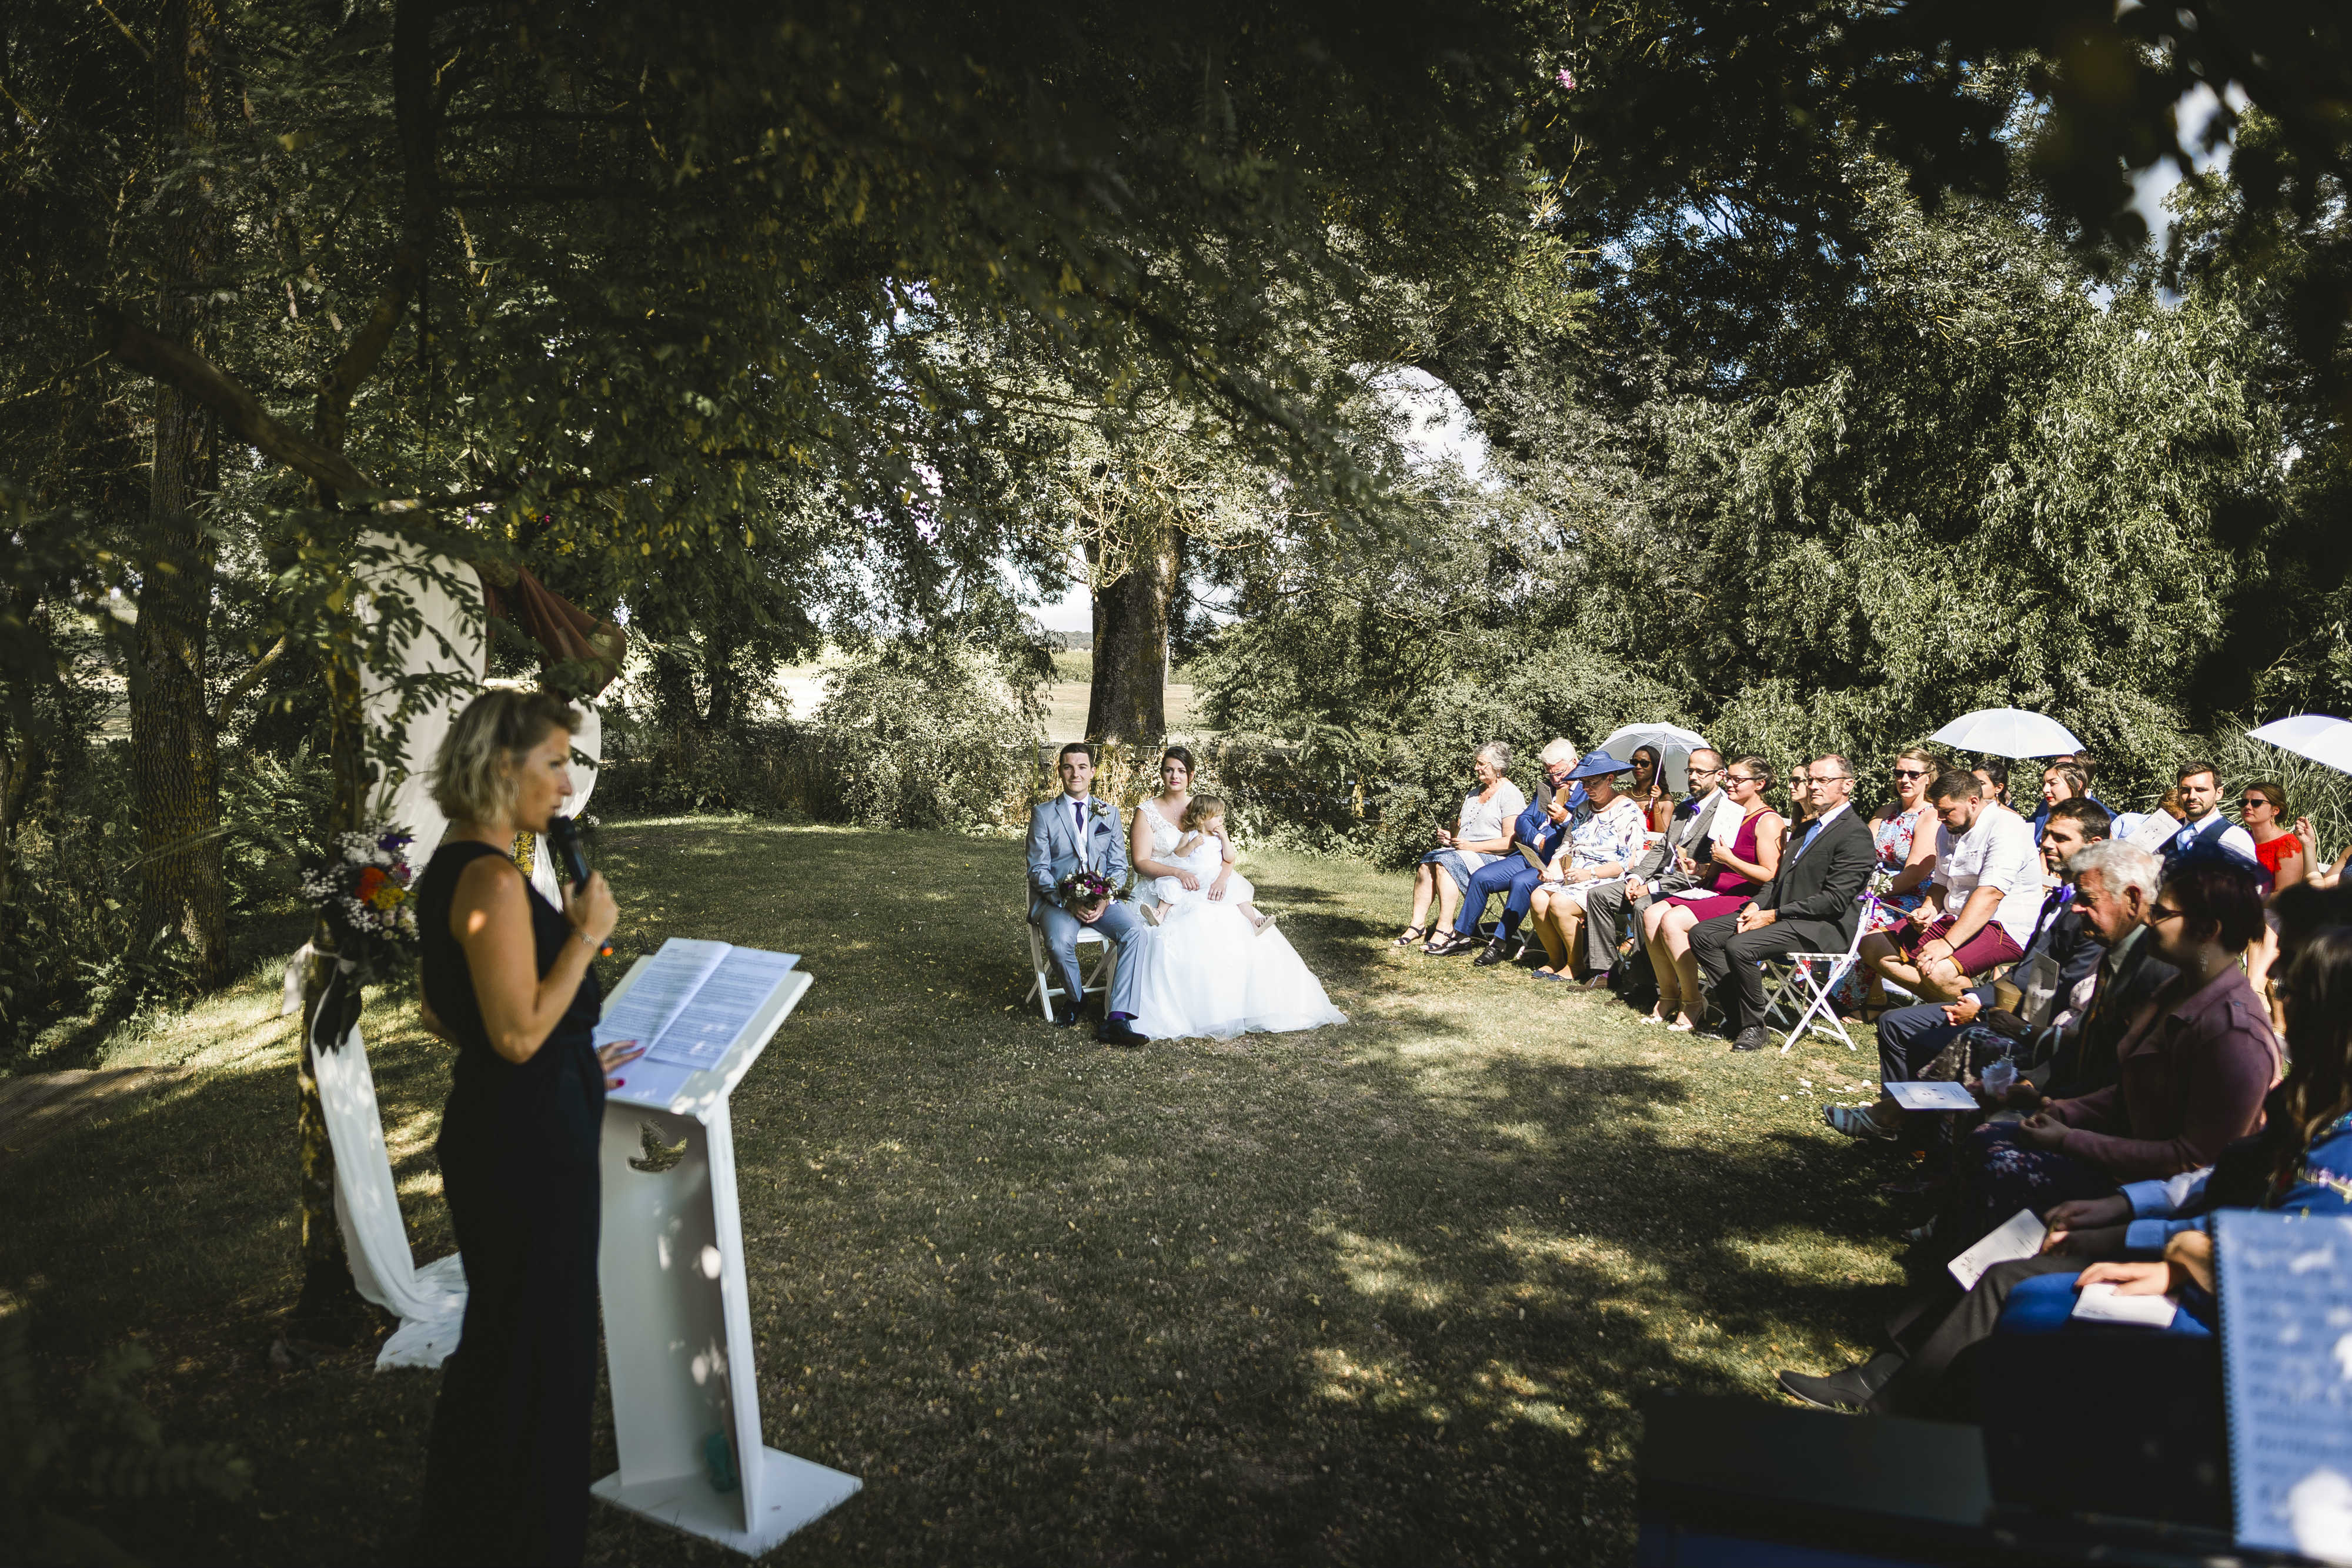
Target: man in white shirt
[[1981, 907], [2201, 798]]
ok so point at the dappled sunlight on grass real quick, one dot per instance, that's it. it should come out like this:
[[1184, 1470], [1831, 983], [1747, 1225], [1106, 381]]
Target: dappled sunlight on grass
[[1375, 1294]]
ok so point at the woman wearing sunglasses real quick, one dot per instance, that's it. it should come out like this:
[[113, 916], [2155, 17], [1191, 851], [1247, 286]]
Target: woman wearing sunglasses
[[1905, 833], [2263, 808]]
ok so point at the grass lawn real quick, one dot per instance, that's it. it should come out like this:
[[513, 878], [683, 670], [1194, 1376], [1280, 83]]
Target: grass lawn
[[1382, 1293]]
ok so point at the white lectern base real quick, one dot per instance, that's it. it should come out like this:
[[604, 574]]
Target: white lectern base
[[794, 1492]]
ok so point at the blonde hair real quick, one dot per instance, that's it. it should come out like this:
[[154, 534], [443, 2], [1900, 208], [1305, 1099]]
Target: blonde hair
[[473, 777], [1202, 808]]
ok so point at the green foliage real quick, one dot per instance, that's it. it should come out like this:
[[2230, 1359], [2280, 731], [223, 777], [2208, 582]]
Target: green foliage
[[107, 1450], [930, 735], [68, 910]]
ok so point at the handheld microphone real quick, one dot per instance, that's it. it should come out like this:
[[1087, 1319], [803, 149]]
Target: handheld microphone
[[563, 835]]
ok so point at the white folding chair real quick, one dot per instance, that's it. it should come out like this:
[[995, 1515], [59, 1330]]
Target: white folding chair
[[1043, 988], [1815, 977]]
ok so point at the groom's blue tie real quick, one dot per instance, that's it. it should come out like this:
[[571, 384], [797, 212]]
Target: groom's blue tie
[[1078, 814]]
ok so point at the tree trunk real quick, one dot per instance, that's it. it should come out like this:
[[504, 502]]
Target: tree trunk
[[1129, 700], [175, 762], [329, 1307], [726, 706]]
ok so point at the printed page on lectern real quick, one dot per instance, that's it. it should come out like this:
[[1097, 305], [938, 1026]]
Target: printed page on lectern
[[692, 999]]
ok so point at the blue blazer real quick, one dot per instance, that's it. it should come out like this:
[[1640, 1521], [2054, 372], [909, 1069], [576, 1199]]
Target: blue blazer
[[1536, 829], [1055, 851]]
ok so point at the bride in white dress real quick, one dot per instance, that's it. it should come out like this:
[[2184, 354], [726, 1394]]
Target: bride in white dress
[[1217, 968]]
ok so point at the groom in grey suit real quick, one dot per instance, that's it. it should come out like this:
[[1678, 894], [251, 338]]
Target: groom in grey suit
[[1075, 831]]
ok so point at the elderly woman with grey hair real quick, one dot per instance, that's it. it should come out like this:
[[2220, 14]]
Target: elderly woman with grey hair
[[1481, 833]]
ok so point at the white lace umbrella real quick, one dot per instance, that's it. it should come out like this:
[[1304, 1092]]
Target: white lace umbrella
[[2326, 741], [2007, 732]]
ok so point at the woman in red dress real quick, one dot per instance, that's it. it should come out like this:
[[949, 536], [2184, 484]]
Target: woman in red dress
[[1743, 866], [2262, 809]]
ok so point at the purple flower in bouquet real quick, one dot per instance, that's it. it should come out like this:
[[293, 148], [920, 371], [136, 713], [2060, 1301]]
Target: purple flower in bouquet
[[1082, 890]]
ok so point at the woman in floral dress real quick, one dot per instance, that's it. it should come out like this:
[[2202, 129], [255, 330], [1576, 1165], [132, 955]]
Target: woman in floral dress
[[1904, 831]]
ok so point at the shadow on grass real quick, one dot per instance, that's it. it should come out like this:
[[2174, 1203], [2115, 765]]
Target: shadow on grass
[[1377, 1293]]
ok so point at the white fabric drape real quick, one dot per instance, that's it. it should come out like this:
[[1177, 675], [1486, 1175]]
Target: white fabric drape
[[454, 639], [589, 742], [430, 1302]]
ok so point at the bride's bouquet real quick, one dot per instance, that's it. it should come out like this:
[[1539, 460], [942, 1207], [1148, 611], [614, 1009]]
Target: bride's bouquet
[[1083, 890]]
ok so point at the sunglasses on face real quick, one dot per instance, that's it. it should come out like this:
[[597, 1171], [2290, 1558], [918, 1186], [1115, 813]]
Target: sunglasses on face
[[2158, 914], [1910, 773], [2251, 801]]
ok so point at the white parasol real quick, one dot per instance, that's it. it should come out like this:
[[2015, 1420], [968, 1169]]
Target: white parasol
[[2326, 741], [2007, 732], [1672, 743]]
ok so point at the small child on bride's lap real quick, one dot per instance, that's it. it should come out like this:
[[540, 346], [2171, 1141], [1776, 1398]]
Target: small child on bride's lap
[[1203, 828]]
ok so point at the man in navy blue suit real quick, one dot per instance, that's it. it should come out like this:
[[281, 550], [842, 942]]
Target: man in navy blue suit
[[1549, 817]]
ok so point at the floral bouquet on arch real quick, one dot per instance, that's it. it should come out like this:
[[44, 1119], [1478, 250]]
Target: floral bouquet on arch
[[1083, 890], [361, 890]]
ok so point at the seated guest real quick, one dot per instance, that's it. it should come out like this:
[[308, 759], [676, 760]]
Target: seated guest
[[1738, 867], [1992, 778], [1982, 905], [1904, 831], [1599, 847], [2059, 782], [2301, 1162], [1480, 834], [1612, 909], [2191, 1069], [1800, 798], [2262, 806], [1809, 906], [2202, 819], [2114, 888], [1648, 789], [1541, 829], [1911, 1038]]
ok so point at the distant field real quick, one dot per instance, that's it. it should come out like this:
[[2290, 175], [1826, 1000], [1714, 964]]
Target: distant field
[[1073, 674]]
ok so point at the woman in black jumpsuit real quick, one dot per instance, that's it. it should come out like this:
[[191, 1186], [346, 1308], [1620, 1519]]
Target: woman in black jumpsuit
[[507, 978]]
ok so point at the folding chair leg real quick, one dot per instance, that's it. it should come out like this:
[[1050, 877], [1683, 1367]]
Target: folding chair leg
[[1819, 1007], [1105, 969], [1041, 988]]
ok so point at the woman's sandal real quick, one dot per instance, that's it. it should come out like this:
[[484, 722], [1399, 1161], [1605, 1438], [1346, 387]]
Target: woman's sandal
[[1448, 942], [1412, 933]]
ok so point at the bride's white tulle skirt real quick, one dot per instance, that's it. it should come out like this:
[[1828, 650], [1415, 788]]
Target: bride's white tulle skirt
[[1206, 971]]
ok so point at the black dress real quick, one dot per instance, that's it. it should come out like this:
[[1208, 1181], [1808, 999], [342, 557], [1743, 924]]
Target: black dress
[[506, 1477]]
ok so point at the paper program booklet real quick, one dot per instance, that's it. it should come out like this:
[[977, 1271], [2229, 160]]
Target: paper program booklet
[[1932, 1094], [2019, 1238], [692, 999]]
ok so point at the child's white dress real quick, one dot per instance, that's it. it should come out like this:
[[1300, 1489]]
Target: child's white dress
[[1210, 973]]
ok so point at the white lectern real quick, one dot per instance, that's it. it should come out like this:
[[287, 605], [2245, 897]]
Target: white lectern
[[677, 1321]]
